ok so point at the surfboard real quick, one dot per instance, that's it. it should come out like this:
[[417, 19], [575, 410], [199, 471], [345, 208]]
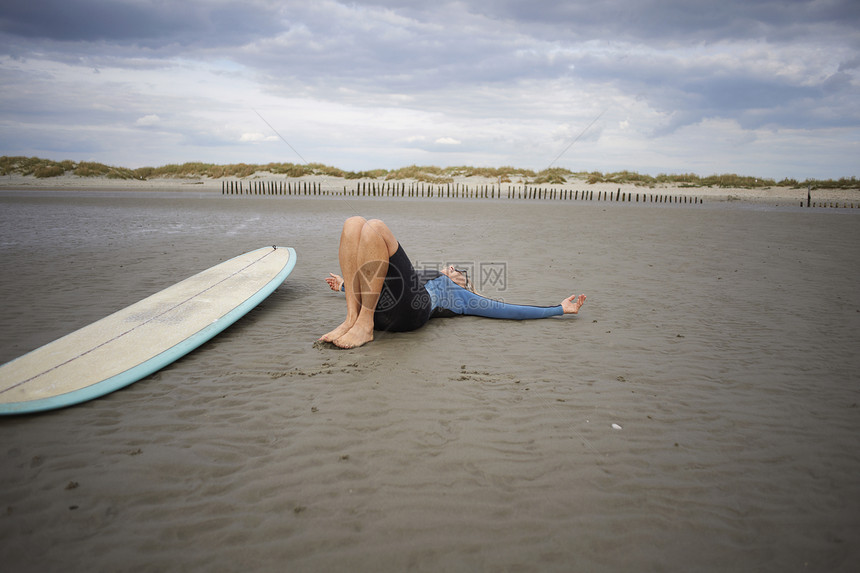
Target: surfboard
[[140, 339]]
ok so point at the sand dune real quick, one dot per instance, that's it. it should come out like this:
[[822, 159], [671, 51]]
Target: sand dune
[[773, 196]]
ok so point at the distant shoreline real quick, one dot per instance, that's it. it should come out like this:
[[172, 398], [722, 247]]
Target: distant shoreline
[[330, 185], [41, 168]]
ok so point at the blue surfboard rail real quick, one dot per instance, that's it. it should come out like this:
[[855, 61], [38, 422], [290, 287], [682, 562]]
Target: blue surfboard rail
[[157, 362]]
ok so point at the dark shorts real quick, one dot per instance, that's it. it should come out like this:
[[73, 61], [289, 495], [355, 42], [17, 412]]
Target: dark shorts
[[404, 303]]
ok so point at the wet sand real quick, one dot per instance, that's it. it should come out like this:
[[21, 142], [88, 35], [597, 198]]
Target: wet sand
[[701, 413]]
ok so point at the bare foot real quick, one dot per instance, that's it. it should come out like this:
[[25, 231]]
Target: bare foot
[[337, 332], [573, 303], [356, 337]]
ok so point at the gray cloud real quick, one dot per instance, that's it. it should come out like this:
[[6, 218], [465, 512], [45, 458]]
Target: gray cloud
[[531, 67], [87, 20], [139, 23]]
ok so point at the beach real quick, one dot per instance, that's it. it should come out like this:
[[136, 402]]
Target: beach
[[700, 413], [574, 188]]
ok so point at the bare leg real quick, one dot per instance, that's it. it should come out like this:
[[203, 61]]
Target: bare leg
[[347, 255], [376, 245], [365, 248]]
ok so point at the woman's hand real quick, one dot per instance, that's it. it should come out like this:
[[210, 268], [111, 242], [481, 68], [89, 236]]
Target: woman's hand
[[573, 303], [335, 282]]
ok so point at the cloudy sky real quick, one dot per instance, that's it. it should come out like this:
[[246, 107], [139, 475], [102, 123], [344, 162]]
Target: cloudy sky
[[764, 88]]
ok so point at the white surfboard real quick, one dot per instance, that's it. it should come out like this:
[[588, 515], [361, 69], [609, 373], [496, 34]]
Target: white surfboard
[[140, 339]]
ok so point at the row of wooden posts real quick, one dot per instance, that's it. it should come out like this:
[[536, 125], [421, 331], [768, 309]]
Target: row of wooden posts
[[449, 190], [829, 204], [459, 190]]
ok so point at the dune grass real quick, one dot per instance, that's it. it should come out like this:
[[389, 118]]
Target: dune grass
[[44, 168]]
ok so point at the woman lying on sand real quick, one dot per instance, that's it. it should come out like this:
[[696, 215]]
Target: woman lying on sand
[[384, 292]]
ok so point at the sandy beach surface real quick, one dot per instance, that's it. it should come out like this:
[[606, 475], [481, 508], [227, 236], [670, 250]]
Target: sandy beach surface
[[700, 414]]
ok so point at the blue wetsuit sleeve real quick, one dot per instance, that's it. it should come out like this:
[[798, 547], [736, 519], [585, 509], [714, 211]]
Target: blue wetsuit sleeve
[[478, 305], [444, 293]]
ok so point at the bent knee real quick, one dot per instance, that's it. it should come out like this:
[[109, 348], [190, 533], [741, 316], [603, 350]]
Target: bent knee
[[355, 220], [353, 225], [380, 229], [377, 224]]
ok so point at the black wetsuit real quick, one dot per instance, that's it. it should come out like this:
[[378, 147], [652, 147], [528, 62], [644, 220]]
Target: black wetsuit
[[404, 304]]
